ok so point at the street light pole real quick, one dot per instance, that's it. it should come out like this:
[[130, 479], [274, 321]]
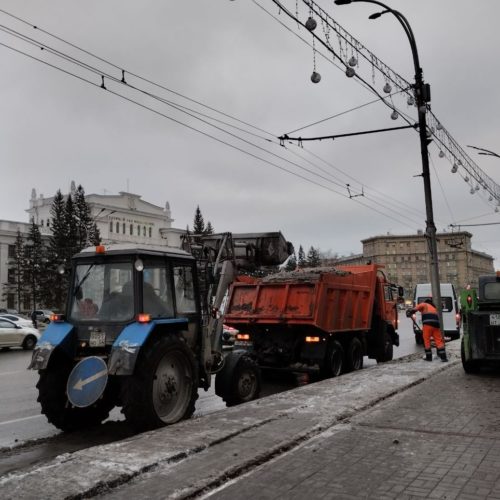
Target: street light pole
[[422, 96]]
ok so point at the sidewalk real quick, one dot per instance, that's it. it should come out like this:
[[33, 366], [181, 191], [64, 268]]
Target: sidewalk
[[405, 429]]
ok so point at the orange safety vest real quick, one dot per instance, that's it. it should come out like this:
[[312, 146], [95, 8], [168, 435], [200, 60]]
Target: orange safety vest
[[429, 314]]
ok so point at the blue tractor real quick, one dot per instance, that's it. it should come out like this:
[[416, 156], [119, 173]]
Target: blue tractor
[[142, 329]]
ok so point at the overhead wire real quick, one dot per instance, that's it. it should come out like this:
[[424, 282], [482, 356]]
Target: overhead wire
[[176, 106]]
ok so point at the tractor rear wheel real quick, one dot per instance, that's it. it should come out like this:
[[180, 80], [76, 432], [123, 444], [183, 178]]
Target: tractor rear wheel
[[164, 387]]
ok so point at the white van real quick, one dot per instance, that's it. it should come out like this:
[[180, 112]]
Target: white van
[[451, 315]]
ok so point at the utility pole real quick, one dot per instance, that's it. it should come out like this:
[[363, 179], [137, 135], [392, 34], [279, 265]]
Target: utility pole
[[422, 97]]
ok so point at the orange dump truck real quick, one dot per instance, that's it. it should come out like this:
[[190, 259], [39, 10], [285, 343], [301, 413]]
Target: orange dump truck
[[318, 320]]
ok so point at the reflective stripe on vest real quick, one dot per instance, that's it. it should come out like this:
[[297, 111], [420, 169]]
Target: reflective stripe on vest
[[430, 316]]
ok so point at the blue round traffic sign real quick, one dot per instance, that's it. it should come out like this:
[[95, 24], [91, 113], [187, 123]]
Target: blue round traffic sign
[[87, 381]]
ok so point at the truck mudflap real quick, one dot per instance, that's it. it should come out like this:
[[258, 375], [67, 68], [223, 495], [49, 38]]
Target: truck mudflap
[[56, 335], [127, 345]]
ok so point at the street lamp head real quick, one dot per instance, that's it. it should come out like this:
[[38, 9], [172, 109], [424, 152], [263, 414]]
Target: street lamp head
[[343, 2], [375, 15]]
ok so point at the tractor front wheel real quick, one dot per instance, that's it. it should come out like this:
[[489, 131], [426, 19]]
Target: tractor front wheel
[[56, 407]]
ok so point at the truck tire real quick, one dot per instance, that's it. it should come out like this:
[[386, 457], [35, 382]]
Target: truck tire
[[239, 381], [470, 366], [56, 407], [164, 386], [386, 352], [334, 360], [354, 355]]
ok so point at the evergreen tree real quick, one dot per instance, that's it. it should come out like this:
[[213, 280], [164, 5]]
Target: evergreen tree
[[71, 244], [16, 272], [209, 228], [34, 265], [58, 254], [291, 263], [302, 262], [72, 229], [94, 235], [86, 228], [313, 258], [198, 222]]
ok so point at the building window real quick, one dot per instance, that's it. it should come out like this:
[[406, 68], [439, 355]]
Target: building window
[[48, 222], [110, 227], [11, 301], [150, 232], [138, 230], [12, 251], [117, 227], [131, 230], [123, 228], [41, 223], [144, 231], [11, 276]]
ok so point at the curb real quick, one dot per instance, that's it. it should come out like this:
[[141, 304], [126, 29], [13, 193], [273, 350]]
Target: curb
[[233, 441]]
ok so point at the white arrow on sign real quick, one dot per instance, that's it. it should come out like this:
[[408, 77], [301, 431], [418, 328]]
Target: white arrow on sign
[[79, 385]]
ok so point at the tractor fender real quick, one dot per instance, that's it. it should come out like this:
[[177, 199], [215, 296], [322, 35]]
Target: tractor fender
[[224, 377], [56, 335], [128, 344]]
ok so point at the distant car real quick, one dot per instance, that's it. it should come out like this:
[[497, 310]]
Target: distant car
[[43, 315], [8, 311], [19, 320], [16, 335]]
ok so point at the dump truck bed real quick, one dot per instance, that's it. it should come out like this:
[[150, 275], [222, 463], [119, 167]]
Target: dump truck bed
[[330, 299]]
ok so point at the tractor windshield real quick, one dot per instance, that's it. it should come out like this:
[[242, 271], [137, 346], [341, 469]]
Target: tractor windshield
[[103, 292]]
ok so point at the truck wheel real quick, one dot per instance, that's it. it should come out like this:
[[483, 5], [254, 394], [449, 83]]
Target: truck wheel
[[470, 366], [29, 343], [387, 351], [56, 407], [164, 387], [334, 360], [354, 355], [240, 382]]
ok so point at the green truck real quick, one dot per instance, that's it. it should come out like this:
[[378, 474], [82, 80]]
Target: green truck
[[481, 324]]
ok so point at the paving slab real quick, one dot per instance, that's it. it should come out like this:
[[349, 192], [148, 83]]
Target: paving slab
[[198, 456]]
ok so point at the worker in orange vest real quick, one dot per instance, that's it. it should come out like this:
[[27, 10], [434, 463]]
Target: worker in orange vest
[[430, 321]]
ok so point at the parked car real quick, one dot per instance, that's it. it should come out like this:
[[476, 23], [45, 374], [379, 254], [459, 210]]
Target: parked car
[[8, 311], [42, 315], [18, 320], [16, 335]]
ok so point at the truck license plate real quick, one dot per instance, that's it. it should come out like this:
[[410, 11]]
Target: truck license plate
[[97, 339], [494, 319]]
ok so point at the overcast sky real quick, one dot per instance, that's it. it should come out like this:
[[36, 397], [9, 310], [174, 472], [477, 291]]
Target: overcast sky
[[240, 60]]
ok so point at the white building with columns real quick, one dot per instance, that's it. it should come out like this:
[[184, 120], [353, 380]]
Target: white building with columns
[[121, 218]]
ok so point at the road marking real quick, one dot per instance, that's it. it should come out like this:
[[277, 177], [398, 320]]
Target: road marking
[[79, 385], [5, 422], [12, 373]]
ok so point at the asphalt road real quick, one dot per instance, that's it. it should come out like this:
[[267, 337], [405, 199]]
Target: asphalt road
[[21, 421]]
